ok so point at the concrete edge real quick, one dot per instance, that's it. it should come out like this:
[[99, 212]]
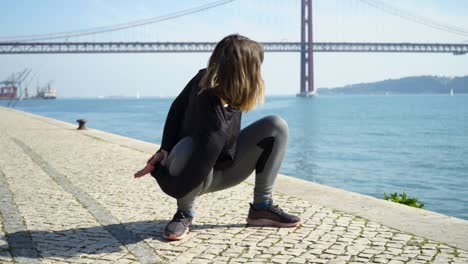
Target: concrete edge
[[430, 225]]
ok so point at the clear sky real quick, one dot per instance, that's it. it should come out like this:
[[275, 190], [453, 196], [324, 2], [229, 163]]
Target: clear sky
[[91, 75]]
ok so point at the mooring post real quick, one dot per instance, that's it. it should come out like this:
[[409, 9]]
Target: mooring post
[[81, 124]]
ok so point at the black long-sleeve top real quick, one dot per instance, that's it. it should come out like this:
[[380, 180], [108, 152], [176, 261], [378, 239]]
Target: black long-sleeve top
[[213, 128]]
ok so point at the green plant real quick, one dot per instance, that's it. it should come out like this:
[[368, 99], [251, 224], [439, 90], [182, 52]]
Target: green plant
[[403, 199]]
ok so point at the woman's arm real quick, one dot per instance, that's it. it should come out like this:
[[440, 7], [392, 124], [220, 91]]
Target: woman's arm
[[172, 127], [175, 116], [159, 157]]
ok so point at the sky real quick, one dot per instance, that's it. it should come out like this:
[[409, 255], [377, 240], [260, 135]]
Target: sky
[[92, 75]]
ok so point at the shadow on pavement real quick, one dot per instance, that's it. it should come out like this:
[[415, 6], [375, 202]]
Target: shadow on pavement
[[90, 240]]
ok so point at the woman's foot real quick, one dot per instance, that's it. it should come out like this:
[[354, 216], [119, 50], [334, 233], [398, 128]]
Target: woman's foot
[[273, 216], [178, 227]]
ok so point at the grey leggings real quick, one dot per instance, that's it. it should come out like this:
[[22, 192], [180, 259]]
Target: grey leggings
[[260, 147]]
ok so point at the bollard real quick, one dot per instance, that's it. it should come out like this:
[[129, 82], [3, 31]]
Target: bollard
[[81, 124]]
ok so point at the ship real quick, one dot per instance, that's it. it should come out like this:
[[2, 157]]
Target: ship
[[46, 93], [8, 90]]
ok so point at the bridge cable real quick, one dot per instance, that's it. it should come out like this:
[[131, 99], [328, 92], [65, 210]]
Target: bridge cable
[[415, 18], [116, 27]]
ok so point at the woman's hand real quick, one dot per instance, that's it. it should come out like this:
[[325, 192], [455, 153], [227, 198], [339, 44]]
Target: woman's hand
[[158, 157]]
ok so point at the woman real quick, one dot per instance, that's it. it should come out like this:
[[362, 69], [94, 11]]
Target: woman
[[203, 149]]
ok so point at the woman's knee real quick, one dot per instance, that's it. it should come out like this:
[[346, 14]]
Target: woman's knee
[[278, 123]]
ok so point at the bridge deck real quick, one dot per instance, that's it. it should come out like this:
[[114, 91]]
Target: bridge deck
[[169, 47]]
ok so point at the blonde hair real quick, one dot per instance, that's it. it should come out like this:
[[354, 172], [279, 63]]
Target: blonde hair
[[234, 72]]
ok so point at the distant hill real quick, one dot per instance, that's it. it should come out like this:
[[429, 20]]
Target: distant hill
[[407, 85]]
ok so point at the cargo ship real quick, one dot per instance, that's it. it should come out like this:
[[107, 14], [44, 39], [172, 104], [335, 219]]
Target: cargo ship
[[8, 90], [48, 93]]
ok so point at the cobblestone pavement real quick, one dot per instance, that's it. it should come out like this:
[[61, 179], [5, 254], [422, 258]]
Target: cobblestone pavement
[[66, 197]]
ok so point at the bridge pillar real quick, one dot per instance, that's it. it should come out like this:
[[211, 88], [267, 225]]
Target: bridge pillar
[[307, 56]]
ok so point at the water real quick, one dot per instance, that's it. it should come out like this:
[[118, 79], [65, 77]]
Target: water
[[365, 144]]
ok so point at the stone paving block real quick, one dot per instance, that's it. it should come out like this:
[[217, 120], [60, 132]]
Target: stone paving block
[[221, 260], [381, 260], [292, 252], [333, 251], [393, 251], [366, 256], [319, 261], [281, 259], [360, 260], [297, 260], [373, 251], [344, 257], [337, 261], [395, 262], [327, 256], [199, 261], [315, 251], [413, 261]]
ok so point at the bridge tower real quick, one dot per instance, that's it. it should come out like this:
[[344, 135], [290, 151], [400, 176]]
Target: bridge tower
[[307, 55]]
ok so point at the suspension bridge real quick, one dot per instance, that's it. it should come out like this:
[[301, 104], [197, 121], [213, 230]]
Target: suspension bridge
[[48, 44]]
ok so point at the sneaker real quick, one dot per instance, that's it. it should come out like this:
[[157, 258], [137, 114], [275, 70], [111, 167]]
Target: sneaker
[[272, 216], [178, 227]]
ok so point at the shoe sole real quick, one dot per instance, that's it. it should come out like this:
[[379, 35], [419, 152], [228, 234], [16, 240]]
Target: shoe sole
[[271, 223], [174, 237]]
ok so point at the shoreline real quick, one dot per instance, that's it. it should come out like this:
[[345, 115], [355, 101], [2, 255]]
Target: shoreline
[[446, 229]]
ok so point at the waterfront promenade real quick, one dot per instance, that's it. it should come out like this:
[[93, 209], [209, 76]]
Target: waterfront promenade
[[68, 196]]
